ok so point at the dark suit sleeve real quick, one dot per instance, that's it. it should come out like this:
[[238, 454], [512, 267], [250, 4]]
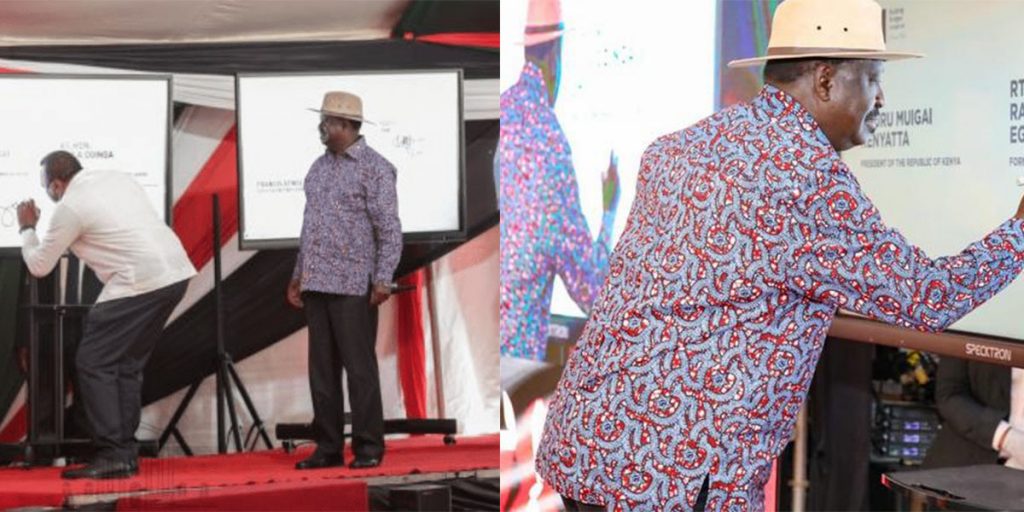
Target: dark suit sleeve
[[960, 407]]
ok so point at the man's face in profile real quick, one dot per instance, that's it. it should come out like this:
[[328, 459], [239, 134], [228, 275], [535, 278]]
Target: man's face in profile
[[332, 132], [858, 97]]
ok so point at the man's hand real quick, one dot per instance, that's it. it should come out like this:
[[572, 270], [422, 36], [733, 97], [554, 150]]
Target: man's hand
[[1013, 448], [1020, 209], [380, 293], [610, 184], [28, 214], [295, 293], [23, 359]]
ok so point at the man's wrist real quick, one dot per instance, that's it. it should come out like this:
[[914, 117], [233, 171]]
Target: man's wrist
[[26, 228], [999, 436], [1001, 442]]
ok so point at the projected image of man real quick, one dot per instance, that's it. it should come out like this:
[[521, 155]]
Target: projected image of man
[[747, 233], [106, 219], [349, 248], [543, 231]]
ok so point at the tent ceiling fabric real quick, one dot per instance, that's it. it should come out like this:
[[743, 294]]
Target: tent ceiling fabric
[[91, 22], [203, 43], [261, 57], [425, 17]]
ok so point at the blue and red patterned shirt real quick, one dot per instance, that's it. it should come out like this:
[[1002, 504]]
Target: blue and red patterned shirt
[[351, 234], [747, 233], [543, 230]]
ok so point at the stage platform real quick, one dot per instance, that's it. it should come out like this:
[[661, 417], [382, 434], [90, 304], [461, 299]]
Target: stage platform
[[257, 480]]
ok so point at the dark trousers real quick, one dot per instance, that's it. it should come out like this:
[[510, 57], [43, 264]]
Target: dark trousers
[[572, 505], [119, 337], [343, 334]]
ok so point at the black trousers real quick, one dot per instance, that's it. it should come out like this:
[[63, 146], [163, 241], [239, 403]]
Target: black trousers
[[343, 334], [119, 337], [572, 505]]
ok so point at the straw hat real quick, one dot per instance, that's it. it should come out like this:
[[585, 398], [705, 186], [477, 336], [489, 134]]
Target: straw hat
[[543, 21], [342, 104], [850, 29]]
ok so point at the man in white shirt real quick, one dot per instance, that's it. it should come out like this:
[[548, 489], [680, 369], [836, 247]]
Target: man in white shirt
[[1008, 438], [105, 218], [982, 409]]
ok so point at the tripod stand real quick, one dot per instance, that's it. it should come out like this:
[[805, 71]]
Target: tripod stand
[[227, 377]]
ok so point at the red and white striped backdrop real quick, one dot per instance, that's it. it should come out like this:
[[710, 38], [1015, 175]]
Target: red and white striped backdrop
[[463, 286]]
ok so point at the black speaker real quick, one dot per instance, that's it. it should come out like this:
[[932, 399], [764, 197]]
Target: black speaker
[[422, 498], [903, 431]]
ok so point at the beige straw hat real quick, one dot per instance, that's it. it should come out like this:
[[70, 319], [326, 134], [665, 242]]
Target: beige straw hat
[[342, 104], [543, 21], [845, 29]]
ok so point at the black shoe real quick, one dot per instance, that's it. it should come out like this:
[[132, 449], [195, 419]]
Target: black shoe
[[365, 462], [103, 469], [321, 460]]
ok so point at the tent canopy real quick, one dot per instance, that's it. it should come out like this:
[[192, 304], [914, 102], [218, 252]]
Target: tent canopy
[[104, 22], [203, 43], [91, 22]]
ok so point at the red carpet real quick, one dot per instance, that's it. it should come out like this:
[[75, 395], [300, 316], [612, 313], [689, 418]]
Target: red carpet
[[426, 454], [346, 494]]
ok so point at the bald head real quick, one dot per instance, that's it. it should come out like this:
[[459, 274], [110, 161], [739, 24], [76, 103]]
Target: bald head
[[59, 167]]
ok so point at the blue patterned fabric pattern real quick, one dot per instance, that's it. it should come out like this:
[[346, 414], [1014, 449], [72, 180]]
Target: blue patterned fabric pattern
[[747, 233], [351, 233]]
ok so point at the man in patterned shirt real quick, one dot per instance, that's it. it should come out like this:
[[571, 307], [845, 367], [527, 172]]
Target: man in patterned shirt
[[543, 230], [747, 233], [350, 246]]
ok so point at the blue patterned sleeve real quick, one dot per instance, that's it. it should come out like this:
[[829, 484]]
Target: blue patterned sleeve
[[300, 257], [846, 256], [297, 273], [382, 204], [580, 261]]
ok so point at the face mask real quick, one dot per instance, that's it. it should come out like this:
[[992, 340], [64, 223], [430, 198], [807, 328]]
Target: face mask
[[51, 190], [49, 186]]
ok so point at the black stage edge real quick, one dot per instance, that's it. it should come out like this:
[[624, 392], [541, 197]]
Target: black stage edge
[[465, 494], [984, 487]]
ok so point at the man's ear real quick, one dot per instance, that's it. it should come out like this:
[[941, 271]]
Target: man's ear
[[824, 80]]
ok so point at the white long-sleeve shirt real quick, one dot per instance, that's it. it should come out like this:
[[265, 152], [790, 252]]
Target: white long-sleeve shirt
[[1016, 409], [109, 223]]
